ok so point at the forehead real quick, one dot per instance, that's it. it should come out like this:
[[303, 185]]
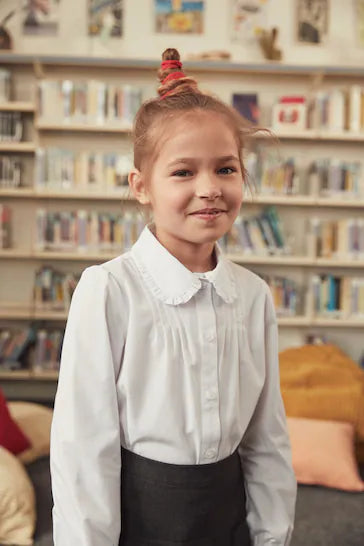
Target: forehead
[[197, 133]]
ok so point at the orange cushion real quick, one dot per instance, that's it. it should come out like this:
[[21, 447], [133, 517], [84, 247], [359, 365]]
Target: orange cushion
[[323, 453], [322, 382]]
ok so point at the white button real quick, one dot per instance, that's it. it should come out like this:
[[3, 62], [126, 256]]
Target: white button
[[210, 453], [211, 394], [210, 336]]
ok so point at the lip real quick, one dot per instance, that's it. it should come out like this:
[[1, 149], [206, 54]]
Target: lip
[[209, 215], [209, 210]]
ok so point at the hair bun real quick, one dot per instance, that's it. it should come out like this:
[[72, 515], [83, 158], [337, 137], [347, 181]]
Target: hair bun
[[170, 54], [173, 79]]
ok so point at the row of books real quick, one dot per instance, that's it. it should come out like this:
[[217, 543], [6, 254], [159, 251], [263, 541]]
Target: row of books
[[338, 109], [5, 85], [262, 235], [11, 126], [87, 230], [337, 239], [10, 171], [329, 177], [333, 110], [87, 171], [272, 176], [30, 348], [5, 226], [88, 101], [340, 297], [53, 289], [285, 294], [325, 177]]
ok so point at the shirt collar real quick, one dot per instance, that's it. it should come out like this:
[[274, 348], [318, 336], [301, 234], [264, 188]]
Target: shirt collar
[[170, 280]]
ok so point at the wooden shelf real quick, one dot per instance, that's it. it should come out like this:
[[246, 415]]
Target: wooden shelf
[[10, 311], [248, 259], [242, 259], [83, 128], [29, 375], [61, 195], [265, 67], [124, 194], [307, 322], [23, 313], [17, 106], [18, 147], [313, 134]]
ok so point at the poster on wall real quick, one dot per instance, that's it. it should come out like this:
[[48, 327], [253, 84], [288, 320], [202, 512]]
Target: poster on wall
[[312, 20], [40, 17], [179, 16], [247, 17], [105, 18], [360, 22]]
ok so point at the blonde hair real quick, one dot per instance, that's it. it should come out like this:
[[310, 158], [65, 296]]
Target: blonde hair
[[177, 97]]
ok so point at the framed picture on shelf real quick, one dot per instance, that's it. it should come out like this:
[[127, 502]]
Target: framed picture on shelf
[[41, 17], [105, 18], [179, 16], [247, 17], [312, 20]]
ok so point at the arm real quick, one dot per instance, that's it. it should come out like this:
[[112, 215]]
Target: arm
[[85, 438], [265, 452]]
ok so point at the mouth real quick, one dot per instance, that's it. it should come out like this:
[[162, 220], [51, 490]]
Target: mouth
[[208, 214], [208, 211]]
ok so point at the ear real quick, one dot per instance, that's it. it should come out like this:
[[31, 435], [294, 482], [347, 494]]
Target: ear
[[138, 187]]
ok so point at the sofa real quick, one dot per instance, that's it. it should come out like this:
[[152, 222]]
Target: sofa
[[324, 517]]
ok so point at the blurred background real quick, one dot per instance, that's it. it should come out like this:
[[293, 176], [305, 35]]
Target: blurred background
[[72, 76]]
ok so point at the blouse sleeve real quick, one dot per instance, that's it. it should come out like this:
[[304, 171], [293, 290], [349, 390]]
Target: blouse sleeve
[[85, 437], [265, 452]]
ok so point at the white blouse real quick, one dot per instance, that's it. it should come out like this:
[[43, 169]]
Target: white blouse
[[176, 368]]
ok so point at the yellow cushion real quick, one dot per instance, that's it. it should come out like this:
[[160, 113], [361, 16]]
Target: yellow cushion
[[17, 502], [35, 421], [322, 382]]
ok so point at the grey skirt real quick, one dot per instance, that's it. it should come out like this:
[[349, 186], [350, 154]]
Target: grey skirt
[[182, 505]]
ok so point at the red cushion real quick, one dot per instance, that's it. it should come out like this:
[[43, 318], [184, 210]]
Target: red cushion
[[11, 436]]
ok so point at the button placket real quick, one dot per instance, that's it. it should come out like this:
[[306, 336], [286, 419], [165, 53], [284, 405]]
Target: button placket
[[211, 426]]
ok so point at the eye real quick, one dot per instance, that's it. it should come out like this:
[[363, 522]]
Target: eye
[[182, 173], [227, 170]]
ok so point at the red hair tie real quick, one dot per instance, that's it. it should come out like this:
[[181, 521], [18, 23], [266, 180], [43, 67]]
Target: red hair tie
[[173, 76], [170, 64]]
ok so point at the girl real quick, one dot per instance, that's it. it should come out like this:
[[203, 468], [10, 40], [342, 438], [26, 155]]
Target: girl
[[169, 427]]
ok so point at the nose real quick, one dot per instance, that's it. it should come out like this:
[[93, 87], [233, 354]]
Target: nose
[[207, 187]]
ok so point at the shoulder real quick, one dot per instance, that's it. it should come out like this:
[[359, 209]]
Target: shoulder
[[254, 292], [246, 280], [113, 273]]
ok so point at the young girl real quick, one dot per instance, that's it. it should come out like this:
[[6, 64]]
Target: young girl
[[169, 427]]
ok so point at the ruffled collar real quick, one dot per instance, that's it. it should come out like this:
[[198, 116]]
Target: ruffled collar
[[170, 281]]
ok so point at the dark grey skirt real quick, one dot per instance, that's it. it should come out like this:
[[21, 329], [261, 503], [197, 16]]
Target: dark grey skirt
[[182, 505]]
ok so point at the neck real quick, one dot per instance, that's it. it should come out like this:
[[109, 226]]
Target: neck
[[198, 258]]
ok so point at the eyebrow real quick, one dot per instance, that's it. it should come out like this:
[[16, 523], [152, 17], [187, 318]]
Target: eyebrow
[[189, 159]]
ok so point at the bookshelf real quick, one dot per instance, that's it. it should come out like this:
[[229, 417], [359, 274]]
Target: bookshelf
[[17, 106], [19, 263], [18, 147]]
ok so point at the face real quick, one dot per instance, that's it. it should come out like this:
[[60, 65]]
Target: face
[[195, 187]]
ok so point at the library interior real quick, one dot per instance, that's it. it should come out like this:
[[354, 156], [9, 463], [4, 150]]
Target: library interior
[[73, 77]]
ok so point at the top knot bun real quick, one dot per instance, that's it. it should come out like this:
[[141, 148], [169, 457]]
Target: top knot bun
[[170, 54], [173, 79]]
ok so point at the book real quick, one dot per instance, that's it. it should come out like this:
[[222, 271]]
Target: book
[[247, 106]]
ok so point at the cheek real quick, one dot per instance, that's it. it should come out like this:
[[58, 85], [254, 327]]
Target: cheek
[[234, 194]]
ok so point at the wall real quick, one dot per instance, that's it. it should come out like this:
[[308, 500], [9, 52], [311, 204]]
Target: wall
[[139, 39]]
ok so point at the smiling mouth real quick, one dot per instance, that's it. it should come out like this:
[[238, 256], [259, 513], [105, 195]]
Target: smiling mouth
[[212, 212]]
